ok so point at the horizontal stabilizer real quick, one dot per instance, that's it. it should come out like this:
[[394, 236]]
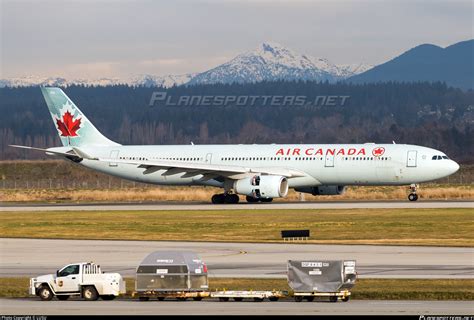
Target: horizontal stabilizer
[[49, 151]]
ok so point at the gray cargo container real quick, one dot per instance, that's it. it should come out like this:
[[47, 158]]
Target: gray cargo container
[[171, 271], [311, 278]]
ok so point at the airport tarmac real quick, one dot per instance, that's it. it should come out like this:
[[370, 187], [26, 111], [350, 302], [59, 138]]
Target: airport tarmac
[[209, 307], [31, 257], [402, 204]]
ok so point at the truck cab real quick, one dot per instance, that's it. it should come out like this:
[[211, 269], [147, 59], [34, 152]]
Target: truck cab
[[84, 279]]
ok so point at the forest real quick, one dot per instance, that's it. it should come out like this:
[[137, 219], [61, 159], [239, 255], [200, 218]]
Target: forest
[[428, 114]]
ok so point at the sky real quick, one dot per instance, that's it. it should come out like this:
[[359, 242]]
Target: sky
[[105, 38]]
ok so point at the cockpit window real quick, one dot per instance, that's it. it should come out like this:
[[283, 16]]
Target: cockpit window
[[439, 157], [445, 157]]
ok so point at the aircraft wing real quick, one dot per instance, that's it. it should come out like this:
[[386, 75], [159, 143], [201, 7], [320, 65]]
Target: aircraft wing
[[209, 171]]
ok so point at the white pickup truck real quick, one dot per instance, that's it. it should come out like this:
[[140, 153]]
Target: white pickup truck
[[83, 279]]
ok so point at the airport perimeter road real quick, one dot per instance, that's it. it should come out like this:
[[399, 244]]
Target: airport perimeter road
[[31, 257], [286, 307], [206, 206]]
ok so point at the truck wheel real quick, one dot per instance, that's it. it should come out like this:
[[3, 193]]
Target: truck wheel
[[143, 298], [333, 299], [223, 299], [238, 299], [345, 299], [45, 293], [258, 299], [108, 297], [298, 298], [273, 298], [161, 298], [62, 297], [309, 298], [197, 298], [90, 293]]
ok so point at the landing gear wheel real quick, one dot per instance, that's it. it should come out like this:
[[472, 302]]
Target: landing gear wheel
[[231, 198], [218, 198], [251, 199], [413, 196], [90, 293], [266, 199], [62, 297], [45, 293]]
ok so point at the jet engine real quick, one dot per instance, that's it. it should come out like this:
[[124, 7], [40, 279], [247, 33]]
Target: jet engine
[[323, 190], [262, 186]]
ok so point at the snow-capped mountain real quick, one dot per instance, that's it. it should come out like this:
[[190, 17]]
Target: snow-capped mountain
[[271, 61], [146, 80], [57, 82], [167, 81]]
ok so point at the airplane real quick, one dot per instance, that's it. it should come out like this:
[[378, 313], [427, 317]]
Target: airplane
[[259, 172]]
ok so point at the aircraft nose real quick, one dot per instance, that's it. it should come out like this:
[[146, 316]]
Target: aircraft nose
[[453, 166]]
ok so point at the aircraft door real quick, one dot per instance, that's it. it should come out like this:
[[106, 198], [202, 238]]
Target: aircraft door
[[208, 158], [113, 155], [411, 158], [329, 161]]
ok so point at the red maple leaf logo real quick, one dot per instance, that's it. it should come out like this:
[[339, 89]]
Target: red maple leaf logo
[[377, 152], [68, 126]]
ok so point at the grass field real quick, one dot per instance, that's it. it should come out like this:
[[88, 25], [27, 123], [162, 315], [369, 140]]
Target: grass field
[[379, 289], [439, 227]]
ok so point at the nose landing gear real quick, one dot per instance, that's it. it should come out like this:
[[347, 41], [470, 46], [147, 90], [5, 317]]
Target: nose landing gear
[[413, 196]]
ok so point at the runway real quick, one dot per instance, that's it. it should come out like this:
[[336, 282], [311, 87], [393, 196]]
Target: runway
[[32, 257], [286, 307], [241, 206]]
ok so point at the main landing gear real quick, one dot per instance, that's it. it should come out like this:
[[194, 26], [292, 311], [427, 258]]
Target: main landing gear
[[221, 198], [413, 196], [232, 198], [254, 200]]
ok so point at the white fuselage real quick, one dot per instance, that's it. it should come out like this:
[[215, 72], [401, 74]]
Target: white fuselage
[[325, 164]]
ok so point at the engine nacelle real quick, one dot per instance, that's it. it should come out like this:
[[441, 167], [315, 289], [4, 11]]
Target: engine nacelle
[[323, 190], [262, 186]]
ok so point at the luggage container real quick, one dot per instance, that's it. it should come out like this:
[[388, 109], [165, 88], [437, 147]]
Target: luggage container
[[171, 274], [322, 278]]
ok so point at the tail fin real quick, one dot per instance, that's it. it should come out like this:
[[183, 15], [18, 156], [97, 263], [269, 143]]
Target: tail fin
[[73, 127]]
